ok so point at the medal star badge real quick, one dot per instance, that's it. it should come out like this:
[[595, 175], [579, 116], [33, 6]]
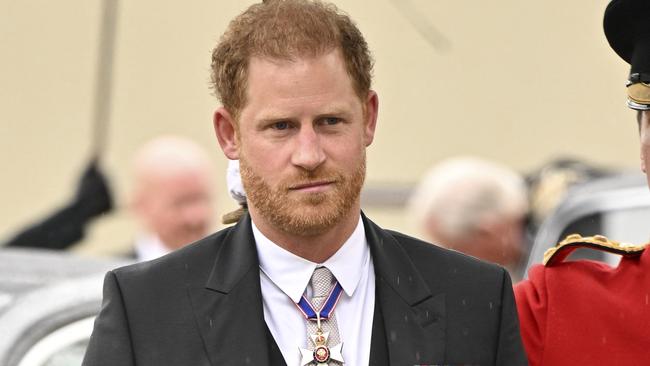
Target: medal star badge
[[321, 354]]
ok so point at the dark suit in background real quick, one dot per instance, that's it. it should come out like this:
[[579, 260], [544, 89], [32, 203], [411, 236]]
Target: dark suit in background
[[66, 226]]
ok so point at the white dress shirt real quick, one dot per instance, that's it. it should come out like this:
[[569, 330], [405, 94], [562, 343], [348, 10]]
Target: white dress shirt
[[284, 278]]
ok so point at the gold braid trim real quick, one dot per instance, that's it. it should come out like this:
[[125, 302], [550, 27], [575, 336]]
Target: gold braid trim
[[572, 242], [234, 216], [639, 93]]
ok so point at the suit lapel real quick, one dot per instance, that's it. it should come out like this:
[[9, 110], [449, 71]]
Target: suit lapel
[[378, 343], [228, 306], [414, 318]]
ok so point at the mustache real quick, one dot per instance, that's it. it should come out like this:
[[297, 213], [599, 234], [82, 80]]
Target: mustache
[[307, 178]]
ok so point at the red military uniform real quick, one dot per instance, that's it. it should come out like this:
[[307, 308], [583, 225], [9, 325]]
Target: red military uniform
[[587, 312]]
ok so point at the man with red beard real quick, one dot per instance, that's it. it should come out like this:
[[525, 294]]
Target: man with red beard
[[586, 312], [303, 278]]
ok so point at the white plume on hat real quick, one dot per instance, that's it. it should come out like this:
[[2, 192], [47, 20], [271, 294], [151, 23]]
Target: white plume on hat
[[235, 186]]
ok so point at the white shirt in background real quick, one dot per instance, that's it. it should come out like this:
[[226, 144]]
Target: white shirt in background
[[148, 247]]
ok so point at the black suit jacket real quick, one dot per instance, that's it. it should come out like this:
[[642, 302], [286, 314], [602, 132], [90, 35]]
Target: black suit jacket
[[202, 305]]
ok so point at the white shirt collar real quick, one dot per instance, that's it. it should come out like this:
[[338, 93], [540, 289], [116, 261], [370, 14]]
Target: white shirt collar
[[291, 273]]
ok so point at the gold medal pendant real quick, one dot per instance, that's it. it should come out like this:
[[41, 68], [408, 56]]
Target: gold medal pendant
[[321, 355]]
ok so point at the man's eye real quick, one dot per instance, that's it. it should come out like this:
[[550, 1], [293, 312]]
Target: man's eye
[[331, 120], [281, 125]]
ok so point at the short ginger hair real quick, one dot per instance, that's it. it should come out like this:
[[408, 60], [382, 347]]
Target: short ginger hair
[[286, 30]]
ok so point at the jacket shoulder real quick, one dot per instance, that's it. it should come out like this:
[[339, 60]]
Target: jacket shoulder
[[422, 251], [196, 257], [460, 276], [561, 250]]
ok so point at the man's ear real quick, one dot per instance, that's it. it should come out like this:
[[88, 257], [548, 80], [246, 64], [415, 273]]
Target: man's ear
[[224, 128], [642, 136], [643, 167], [372, 108]]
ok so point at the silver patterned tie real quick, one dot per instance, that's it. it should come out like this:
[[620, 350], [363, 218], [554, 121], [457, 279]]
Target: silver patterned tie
[[321, 283]]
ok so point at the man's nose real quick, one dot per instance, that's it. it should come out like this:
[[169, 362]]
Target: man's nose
[[308, 153]]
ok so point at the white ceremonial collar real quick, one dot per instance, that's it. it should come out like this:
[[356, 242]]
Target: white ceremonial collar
[[291, 273]]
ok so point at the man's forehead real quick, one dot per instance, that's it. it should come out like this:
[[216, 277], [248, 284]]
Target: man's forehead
[[292, 59], [298, 76]]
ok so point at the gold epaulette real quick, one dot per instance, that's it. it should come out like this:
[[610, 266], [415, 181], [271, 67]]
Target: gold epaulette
[[598, 242]]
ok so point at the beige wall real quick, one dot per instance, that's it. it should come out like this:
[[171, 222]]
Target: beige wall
[[516, 81]]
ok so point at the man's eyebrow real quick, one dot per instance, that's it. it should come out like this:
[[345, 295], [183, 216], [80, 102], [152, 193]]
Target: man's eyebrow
[[334, 112], [273, 118]]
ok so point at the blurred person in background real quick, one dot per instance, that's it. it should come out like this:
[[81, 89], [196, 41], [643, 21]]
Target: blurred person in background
[[586, 312], [476, 207], [172, 196]]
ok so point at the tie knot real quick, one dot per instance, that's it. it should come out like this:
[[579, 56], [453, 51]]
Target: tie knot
[[321, 282]]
